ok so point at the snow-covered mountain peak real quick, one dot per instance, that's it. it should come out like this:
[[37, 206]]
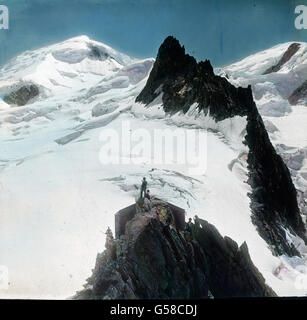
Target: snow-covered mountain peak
[[258, 63], [75, 63], [73, 50], [76, 49]]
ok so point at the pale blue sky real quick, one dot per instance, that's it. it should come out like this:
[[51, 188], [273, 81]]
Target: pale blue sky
[[221, 30]]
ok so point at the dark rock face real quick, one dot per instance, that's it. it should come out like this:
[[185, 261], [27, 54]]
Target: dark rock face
[[22, 96], [182, 81], [299, 94], [231, 272], [154, 261], [290, 52], [96, 54], [273, 197]]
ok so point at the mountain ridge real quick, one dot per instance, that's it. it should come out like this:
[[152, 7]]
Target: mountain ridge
[[273, 194]]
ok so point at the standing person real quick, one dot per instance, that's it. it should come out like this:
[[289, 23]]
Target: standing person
[[143, 187], [188, 226], [188, 230]]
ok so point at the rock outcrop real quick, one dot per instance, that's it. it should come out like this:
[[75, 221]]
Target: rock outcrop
[[231, 272], [299, 95], [289, 53], [22, 96], [97, 54], [181, 81], [155, 261]]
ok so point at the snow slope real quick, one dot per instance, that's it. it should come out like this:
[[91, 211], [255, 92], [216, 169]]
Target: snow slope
[[57, 198]]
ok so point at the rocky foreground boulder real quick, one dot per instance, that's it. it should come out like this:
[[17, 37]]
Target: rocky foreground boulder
[[156, 261]]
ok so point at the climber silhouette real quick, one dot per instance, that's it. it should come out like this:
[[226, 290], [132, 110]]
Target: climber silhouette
[[143, 187]]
